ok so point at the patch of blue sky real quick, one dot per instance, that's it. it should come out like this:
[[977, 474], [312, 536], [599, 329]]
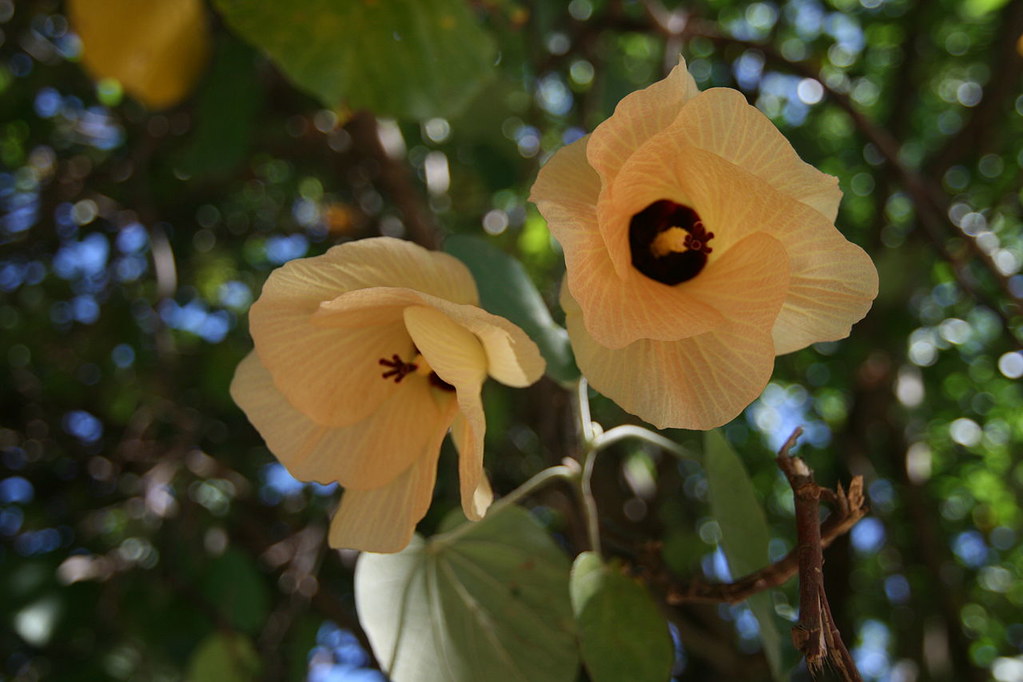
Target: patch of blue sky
[[132, 238], [64, 217], [779, 410], [12, 275], [97, 128], [85, 309], [306, 212], [85, 258], [235, 294], [748, 69], [196, 318], [807, 16], [871, 653], [83, 426], [48, 103], [123, 355], [971, 549], [11, 520], [715, 566], [846, 31], [896, 588], [571, 134], [278, 483], [16, 490], [21, 211], [868, 536], [280, 249], [130, 268], [34, 542], [553, 95], [338, 657]]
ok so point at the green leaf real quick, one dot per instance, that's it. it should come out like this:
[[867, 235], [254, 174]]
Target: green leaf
[[506, 290], [238, 589], [978, 8], [484, 602], [744, 532], [622, 634], [405, 58], [227, 106], [224, 657]]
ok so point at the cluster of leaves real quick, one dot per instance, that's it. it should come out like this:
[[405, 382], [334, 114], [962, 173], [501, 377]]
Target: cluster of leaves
[[148, 534]]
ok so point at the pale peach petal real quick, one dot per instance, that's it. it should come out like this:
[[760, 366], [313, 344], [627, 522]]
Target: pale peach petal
[[567, 180], [566, 192], [468, 432], [383, 519], [367, 454], [748, 283], [721, 121], [614, 308], [512, 357], [453, 352], [731, 202], [459, 359], [376, 262], [639, 116], [366, 307], [331, 374], [833, 289], [697, 383]]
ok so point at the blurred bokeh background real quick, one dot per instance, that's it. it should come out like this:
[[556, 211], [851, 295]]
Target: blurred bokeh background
[[149, 186]]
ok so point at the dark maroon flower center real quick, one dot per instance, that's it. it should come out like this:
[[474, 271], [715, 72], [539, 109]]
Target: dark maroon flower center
[[659, 249], [398, 369]]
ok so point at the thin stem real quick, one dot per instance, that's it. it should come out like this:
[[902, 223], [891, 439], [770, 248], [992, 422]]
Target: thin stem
[[532, 485], [583, 404], [589, 502], [624, 431]]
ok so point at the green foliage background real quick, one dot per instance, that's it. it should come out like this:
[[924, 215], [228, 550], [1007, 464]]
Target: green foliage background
[[146, 532]]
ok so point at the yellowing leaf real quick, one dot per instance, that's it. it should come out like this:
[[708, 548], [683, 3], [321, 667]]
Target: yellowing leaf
[[156, 49]]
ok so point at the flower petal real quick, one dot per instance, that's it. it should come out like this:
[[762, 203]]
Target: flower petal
[[639, 116], [459, 359], [368, 454], [332, 374], [720, 120], [696, 383], [376, 262], [748, 283], [567, 181], [512, 357], [467, 431], [383, 519], [831, 290]]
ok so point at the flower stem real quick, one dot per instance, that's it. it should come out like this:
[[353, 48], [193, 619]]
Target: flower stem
[[532, 485], [589, 502], [583, 404], [631, 431]]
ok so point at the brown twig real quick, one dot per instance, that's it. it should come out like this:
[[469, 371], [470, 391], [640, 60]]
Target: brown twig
[[848, 508], [815, 635]]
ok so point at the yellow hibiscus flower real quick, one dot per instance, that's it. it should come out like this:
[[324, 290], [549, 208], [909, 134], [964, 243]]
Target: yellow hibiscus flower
[[364, 358], [698, 246]]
